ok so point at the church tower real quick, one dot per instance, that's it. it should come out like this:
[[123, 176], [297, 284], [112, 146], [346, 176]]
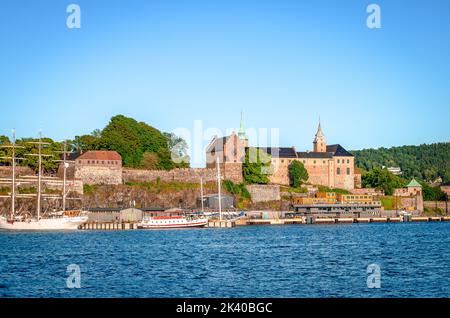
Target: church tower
[[319, 143], [241, 134]]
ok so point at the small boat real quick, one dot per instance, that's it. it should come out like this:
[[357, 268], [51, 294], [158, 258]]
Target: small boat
[[172, 219]]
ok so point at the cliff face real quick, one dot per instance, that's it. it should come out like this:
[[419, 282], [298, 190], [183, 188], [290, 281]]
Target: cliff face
[[164, 196], [151, 195]]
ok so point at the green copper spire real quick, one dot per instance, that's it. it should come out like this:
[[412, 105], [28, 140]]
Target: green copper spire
[[241, 132]]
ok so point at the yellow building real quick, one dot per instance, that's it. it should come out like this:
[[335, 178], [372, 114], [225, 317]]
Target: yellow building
[[354, 198]]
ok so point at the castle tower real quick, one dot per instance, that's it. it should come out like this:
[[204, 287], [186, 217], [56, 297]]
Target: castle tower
[[241, 134], [319, 143]]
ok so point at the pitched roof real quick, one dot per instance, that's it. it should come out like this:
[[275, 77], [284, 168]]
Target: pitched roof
[[339, 151], [414, 183], [312, 154], [101, 155], [277, 152], [445, 184]]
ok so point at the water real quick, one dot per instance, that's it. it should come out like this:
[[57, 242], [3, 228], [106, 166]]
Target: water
[[271, 261]]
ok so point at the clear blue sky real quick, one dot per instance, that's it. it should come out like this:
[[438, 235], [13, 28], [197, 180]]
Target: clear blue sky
[[285, 63]]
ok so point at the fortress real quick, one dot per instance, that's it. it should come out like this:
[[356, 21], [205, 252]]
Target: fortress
[[328, 165]]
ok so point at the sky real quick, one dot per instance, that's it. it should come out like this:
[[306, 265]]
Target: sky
[[282, 63]]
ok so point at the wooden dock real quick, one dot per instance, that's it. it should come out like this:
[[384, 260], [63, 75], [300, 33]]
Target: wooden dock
[[113, 226], [108, 226]]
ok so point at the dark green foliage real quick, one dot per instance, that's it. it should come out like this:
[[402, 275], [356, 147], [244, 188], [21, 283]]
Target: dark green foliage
[[432, 193], [382, 179], [297, 174], [28, 153], [424, 162], [132, 139], [322, 188], [256, 167], [236, 189]]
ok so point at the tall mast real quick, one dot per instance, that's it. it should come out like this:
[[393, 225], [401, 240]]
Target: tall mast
[[39, 143], [65, 176], [218, 184], [38, 207], [13, 186], [201, 192]]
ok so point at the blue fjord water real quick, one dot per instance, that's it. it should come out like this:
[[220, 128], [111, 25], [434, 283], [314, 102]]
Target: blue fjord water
[[264, 261]]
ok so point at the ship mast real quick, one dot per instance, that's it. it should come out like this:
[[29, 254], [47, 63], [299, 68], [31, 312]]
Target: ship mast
[[201, 192], [13, 185], [13, 159], [39, 143], [218, 184], [65, 176], [38, 207]]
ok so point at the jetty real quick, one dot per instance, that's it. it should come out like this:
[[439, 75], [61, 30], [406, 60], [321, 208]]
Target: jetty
[[112, 226]]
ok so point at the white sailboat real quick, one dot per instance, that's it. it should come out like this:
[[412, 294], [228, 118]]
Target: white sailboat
[[63, 220]]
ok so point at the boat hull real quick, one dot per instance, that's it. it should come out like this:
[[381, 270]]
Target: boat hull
[[161, 224], [54, 224]]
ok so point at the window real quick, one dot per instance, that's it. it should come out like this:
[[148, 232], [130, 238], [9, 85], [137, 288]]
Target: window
[[338, 170], [324, 162], [348, 171], [339, 161], [348, 160], [314, 162]]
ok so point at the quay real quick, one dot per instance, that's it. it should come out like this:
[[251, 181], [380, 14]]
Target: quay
[[111, 226]]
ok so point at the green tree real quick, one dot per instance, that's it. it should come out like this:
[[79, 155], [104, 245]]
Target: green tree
[[257, 166], [297, 174], [178, 148], [132, 139], [423, 162], [432, 193], [150, 160], [382, 179]]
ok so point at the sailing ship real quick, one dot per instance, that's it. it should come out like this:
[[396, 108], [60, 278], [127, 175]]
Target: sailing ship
[[61, 220]]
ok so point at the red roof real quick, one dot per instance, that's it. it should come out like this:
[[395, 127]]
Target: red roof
[[101, 155]]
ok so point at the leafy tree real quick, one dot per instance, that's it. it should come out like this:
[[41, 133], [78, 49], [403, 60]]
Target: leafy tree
[[432, 193], [297, 174], [257, 166], [178, 149], [424, 162], [150, 160], [84, 143], [132, 139], [382, 179]]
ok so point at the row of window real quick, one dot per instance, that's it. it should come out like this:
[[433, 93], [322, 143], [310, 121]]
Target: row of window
[[314, 161], [103, 162], [338, 171]]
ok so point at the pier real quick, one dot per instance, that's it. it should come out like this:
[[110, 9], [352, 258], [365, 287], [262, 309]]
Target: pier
[[112, 226]]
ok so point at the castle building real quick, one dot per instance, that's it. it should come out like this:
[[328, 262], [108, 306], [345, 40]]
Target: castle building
[[327, 165], [99, 167]]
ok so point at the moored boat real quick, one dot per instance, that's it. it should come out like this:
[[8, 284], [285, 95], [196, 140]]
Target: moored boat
[[173, 219], [62, 220]]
